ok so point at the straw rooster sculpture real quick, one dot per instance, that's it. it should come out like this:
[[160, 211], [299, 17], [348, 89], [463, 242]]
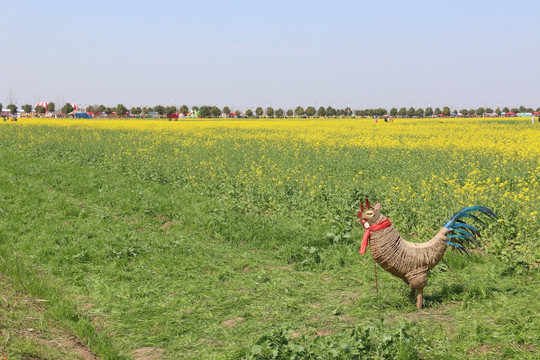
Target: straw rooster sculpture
[[409, 261]]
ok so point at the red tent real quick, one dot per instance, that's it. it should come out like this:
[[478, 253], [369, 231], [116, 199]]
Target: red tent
[[174, 116], [43, 104]]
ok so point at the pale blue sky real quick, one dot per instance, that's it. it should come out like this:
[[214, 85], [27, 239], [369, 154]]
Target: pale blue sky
[[281, 53]]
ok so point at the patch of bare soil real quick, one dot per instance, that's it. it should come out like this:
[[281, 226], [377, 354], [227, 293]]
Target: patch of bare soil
[[484, 349], [66, 343], [23, 317], [232, 322]]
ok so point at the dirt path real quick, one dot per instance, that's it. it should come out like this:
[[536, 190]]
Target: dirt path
[[27, 333]]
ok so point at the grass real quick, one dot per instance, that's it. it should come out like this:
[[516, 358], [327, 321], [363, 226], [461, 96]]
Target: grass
[[27, 331], [131, 260]]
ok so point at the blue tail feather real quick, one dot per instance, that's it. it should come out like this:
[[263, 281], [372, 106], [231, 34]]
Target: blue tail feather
[[458, 246], [463, 234], [465, 226], [466, 233], [466, 212], [473, 217], [456, 236], [471, 237]]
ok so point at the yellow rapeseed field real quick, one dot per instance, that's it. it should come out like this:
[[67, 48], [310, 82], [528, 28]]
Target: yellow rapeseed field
[[485, 136]]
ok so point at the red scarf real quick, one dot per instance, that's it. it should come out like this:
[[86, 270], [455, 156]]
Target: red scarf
[[383, 224]]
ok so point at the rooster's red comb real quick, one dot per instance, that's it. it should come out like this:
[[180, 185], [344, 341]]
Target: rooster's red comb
[[362, 208]]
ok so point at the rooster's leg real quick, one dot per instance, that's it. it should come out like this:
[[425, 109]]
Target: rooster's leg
[[417, 279], [420, 298]]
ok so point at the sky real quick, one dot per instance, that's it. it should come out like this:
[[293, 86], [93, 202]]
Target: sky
[[244, 54]]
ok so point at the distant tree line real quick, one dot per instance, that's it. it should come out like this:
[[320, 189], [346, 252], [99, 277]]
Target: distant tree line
[[207, 111]]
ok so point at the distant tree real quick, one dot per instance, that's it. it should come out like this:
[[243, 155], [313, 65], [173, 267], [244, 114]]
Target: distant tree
[[121, 110], [428, 112], [66, 109], [40, 109], [299, 111], [498, 111], [480, 111], [537, 109], [340, 112], [393, 111], [359, 112], [216, 112], [419, 112], [437, 111], [27, 108], [279, 112], [249, 113], [321, 112], [160, 109], [463, 111], [226, 110], [194, 108], [410, 112], [136, 111], [169, 110], [259, 111], [90, 108], [330, 111], [51, 107], [489, 110], [184, 110], [402, 111], [108, 110], [348, 111], [101, 108], [290, 113], [506, 109], [270, 112], [310, 111], [13, 109], [1, 106], [446, 111], [381, 112], [522, 109], [205, 111], [515, 110]]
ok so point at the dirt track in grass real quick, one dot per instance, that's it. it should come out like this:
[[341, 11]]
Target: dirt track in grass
[[26, 331]]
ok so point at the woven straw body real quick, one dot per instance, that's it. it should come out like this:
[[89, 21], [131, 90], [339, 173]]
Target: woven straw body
[[410, 262]]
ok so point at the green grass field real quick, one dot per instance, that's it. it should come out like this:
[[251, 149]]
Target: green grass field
[[238, 243]]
